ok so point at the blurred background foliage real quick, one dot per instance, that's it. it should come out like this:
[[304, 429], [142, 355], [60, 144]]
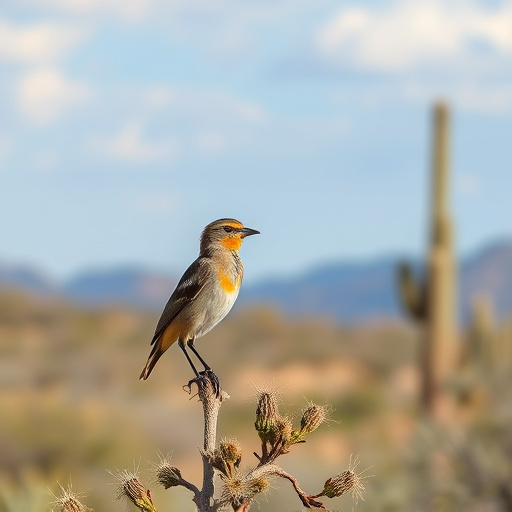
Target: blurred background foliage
[[73, 408]]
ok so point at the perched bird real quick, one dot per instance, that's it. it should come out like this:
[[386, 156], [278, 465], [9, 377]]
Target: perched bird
[[204, 295]]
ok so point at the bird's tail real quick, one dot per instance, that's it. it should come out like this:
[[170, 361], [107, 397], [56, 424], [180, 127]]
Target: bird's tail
[[155, 355]]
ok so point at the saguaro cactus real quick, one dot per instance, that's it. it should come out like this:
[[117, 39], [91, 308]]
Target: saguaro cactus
[[505, 344], [489, 343], [413, 292], [442, 325], [432, 301], [482, 336]]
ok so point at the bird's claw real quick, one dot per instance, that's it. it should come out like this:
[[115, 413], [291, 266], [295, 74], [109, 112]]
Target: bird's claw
[[203, 379], [211, 376]]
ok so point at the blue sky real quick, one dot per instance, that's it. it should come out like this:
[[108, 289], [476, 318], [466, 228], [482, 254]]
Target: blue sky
[[128, 125]]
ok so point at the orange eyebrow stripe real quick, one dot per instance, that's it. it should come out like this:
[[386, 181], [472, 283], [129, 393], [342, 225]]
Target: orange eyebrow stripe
[[235, 225], [232, 244]]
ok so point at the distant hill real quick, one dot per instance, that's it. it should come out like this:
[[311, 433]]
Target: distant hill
[[127, 286], [488, 272], [345, 291], [25, 278], [354, 292], [348, 292], [131, 286]]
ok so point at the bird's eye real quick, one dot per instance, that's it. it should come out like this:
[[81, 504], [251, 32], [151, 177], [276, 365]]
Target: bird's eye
[[228, 229]]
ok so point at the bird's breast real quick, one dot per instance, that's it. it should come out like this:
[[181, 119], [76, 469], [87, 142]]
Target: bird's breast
[[215, 305], [230, 284]]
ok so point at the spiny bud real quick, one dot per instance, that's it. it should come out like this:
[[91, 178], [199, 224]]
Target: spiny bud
[[130, 487], [284, 429], [281, 435], [233, 492], [168, 475], [227, 458], [231, 450], [72, 505], [312, 417], [68, 501], [237, 491], [339, 485], [257, 485], [266, 414]]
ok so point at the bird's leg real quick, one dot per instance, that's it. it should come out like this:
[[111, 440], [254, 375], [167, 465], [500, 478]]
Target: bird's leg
[[207, 370], [200, 376], [182, 346], [191, 346]]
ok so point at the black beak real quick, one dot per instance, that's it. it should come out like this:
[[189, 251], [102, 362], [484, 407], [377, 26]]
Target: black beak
[[248, 232]]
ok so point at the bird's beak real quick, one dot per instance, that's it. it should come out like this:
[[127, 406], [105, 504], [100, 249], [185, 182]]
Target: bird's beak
[[248, 232]]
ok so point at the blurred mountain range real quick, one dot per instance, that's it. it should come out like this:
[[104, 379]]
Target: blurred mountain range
[[348, 292]]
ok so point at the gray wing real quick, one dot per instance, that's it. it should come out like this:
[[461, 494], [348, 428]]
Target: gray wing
[[189, 286]]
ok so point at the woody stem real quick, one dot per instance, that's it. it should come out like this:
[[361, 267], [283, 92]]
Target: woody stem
[[211, 405]]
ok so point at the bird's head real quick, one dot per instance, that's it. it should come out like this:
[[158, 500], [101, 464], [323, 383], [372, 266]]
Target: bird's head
[[227, 233]]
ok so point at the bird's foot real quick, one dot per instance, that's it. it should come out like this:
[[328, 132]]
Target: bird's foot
[[205, 378], [213, 380]]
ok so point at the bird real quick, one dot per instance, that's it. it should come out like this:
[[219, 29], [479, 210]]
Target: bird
[[203, 296]]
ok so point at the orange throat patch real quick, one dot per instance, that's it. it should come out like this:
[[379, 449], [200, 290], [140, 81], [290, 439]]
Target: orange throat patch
[[232, 244]]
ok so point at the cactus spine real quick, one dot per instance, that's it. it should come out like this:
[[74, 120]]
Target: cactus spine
[[432, 301]]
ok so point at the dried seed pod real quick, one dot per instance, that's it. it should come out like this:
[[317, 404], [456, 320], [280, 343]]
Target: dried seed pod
[[257, 485], [68, 501], [131, 488], [231, 451], [339, 485], [283, 430], [233, 492], [312, 417], [266, 414], [280, 436], [168, 475], [238, 491]]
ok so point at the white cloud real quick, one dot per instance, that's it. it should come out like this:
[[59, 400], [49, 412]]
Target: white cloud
[[411, 33], [130, 145], [38, 43], [157, 123], [46, 94]]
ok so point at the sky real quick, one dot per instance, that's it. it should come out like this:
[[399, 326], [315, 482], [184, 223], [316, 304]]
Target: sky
[[126, 126]]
